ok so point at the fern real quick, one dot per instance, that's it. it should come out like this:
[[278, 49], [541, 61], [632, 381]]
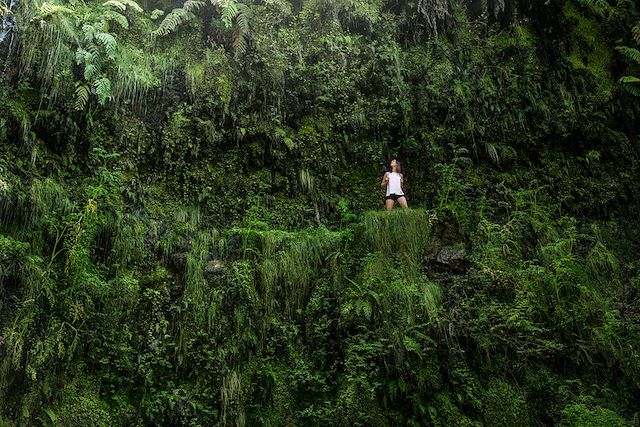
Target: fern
[[103, 89], [629, 52], [45, 49], [83, 56], [229, 10], [109, 43], [116, 4], [94, 50], [82, 95], [354, 11], [631, 84], [307, 180], [118, 18], [239, 43], [133, 5], [48, 10], [90, 71], [599, 7], [157, 13], [173, 20], [635, 32], [193, 5], [89, 33], [123, 4], [242, 17], [241, 35]]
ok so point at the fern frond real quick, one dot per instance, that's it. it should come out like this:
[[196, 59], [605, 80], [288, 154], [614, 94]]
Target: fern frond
[[598, 7], [157, 13], [193, 5], [116, 4], [47, 10], [84, 56], [102, 87], [630, 53], [94, 50], [629, 80], [67, 24], [89, 33], [109, 43], [81, 55], [90, 71], [228, 11], [631, 84], [242, 17], [133, 5], [243, 30], [633, 90], [122, 5], [239, 42], [82, 95], [635, 31], [172, 21], [118, 18]]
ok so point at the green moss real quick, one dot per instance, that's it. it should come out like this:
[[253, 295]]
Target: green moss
[[84, 410], [113, 272], [504, 405], [444, 412], [526, 35], [580, 414], [588, 50]]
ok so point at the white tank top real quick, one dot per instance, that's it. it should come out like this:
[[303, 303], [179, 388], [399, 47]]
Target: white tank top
[[393, 186]]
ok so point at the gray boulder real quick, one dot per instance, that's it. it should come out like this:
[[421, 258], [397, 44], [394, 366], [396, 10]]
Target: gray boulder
[[214, 267], [452, 257]]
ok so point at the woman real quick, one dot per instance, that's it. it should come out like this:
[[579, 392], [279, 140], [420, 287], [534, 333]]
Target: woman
[[394, 181]]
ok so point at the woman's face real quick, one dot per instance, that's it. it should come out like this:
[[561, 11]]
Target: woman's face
[[393, 163]]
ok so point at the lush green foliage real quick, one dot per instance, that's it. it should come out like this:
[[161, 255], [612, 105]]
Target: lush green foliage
[[190, 223]]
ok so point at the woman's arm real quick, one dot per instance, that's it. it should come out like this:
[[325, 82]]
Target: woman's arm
[[385, 179]]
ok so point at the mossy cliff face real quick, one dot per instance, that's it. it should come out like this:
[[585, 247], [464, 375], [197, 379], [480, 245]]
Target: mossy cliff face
[[191, 229]]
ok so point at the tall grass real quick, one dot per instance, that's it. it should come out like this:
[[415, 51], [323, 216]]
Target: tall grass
[[291, 262], [128, 240], [399, 234], [27, 209]]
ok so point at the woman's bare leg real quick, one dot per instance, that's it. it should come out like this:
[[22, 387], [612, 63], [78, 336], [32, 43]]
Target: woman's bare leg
[[403, 202], [388, 204]]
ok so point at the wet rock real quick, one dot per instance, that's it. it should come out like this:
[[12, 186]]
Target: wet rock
[[452, 257], [178, 261], [446, 249], [214, 267]]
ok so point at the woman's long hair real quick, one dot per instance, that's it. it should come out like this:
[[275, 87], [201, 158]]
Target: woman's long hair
[[398, 165]]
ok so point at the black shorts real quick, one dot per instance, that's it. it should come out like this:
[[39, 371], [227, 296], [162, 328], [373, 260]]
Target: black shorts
[[394, 197]]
